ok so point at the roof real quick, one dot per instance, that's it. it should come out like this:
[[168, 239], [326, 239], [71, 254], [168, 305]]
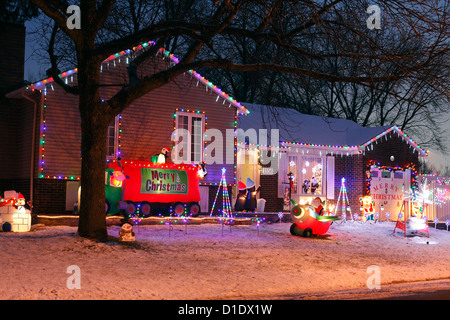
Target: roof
[[227, 99], [296, 128]]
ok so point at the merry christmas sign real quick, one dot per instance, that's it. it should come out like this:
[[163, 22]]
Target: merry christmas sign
[[387, 193], [164, 183], [167, 181]]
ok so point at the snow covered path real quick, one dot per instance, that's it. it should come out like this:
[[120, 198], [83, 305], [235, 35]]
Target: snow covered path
[[205, 263]]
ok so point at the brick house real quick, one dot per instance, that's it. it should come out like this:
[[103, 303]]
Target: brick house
[[377, 161], [44, 157], [40, 129]]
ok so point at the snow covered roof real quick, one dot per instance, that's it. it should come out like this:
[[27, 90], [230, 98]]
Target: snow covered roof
[[296, 128]]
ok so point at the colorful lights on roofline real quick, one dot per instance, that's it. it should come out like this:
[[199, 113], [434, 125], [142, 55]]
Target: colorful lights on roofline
[[226, 97], [423, 152], [209, 84]]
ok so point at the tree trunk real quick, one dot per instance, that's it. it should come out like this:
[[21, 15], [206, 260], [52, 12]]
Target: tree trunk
[[92, 223]]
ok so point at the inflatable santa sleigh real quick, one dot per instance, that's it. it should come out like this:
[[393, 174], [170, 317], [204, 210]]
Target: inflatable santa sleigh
[[310, 219]]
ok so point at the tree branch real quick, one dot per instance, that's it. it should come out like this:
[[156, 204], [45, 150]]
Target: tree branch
[[56, 10], [54, 71]]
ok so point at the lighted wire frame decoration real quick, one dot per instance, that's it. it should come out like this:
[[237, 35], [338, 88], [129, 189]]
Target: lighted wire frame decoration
[[226, 203], [343, 200]]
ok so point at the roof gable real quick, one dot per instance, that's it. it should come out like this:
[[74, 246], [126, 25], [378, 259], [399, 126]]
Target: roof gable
[[225, 98]]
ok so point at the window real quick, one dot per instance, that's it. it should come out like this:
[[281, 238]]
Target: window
[[292, 168], [112, 138], [398, 174], [385, 174], [190, 129], [312, 175]]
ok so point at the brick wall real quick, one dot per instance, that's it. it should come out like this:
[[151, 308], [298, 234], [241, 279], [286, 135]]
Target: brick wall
[[269, 192], [395, 146], [49, 196], [350, 168]]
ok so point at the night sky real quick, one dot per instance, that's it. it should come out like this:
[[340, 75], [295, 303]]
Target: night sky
[[35, 70]]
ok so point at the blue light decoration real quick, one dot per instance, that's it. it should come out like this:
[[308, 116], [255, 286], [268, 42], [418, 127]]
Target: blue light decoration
[[226, 215]]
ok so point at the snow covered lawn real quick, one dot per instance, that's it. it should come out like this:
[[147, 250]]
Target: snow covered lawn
[[206, 263]]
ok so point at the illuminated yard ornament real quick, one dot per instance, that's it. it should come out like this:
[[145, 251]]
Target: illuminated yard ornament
[[202, 172], [368, 207], [412, 225], [310, 219], [163, 155], [13, 214], [447, 223], [417, 209], [343, 203], [280, 216], [226, 215]]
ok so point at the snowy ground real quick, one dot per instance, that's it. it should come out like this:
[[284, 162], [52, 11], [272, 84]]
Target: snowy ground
[[208, 262]]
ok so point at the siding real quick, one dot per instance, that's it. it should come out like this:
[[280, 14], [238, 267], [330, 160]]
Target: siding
[[147, 124], [62, 155], [16, 130]]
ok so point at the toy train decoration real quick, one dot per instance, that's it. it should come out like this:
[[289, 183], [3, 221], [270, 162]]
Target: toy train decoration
[[310, 219], [146, 188]]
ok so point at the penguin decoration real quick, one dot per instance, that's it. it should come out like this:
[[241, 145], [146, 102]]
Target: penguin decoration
[[241, 197], [250, 201], [163, 155]]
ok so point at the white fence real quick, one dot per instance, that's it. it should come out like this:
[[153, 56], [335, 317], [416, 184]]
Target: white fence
[[435, 193]]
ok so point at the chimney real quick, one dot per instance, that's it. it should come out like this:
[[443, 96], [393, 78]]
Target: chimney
[[12, 55]]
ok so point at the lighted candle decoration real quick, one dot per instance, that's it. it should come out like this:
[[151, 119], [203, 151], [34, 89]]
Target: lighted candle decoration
[[136, 217], [400, 216], [280, 216], [258, 222], [436, 221], [447, 223], [388, 215]]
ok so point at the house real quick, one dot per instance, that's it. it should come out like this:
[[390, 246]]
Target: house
[[45, 164], [41, 155], [319, 152]]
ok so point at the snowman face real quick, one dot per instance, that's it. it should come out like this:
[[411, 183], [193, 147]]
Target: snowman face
[[367, 202], [127, 227]]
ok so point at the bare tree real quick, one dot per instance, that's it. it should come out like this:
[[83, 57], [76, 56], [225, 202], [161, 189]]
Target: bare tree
[[285, 36]]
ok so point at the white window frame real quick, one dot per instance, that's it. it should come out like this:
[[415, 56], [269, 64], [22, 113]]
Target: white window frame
[[116, 139], [323, 189], [188, 150]]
